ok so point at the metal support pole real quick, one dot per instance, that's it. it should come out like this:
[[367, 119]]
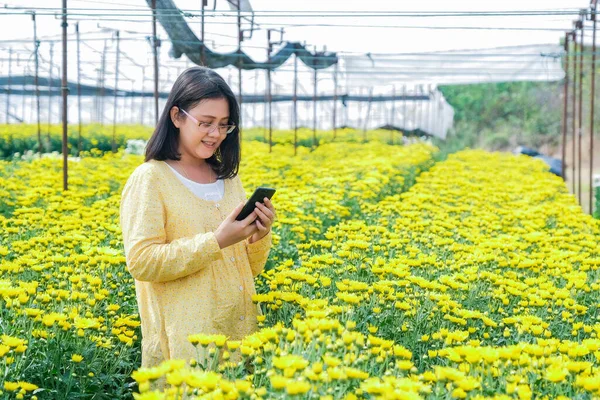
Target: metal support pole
[[78, 90], [265, 108], [36, 46], [315, 108], [114, 143], [155, 48], [335, 87], [368, 113], [565, 107], [359, 122], [65, 92], [8, 85], [574, 112], [430, 109], [392, 112], [202, 52], [240, 38], [269, 97], [592, 98], [404, 109], [131, 120], [295, 104], [24, 87], [255, 105], [50, 86], [143, 95], [580, 131], [102, 83]]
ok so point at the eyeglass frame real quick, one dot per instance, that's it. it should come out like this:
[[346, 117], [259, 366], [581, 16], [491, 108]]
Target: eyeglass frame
[[211, 127]]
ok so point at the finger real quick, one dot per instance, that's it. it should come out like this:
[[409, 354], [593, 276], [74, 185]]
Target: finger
[[264, 217], [269, 203], [270, 206], [236, 211], [250, 218], [267, 211], [260, 226]]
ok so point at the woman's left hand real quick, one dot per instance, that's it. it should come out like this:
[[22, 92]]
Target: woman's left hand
[[266, 217]]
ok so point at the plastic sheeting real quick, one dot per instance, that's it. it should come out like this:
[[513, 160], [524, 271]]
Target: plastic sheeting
[[500, 64], [184, 41]]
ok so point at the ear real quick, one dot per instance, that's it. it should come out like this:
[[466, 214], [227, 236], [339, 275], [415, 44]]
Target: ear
[[174, 113]]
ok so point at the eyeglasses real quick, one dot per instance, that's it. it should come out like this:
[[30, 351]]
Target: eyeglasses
[[205, 127]]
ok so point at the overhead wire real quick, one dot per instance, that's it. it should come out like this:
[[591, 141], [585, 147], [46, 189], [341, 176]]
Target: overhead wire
[[303, 13]]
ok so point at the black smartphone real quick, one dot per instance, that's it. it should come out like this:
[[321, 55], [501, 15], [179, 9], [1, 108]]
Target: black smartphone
[[259, 194]]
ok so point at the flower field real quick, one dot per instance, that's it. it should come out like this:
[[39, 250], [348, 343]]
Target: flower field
[[96, 138], [391, 276]]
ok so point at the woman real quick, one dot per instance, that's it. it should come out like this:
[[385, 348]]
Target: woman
[[193, 263]]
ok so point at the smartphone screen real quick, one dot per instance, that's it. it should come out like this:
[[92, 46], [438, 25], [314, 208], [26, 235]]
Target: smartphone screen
[[259, 194]]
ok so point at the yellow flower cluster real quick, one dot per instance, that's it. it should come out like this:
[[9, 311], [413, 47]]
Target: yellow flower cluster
[[391, 276], [482, 278], [317, 355], [63, 282], [96, 139]]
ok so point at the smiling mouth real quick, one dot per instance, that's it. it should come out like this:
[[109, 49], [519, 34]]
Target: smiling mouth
[[209, 144]]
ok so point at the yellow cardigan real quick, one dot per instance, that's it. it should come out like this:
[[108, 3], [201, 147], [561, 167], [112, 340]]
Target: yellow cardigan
[[184, 283]]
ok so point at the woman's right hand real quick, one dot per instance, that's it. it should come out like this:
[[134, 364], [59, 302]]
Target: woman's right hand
[[231, 231]]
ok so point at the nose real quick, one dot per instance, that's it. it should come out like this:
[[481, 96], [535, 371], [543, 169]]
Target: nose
[[214, 131]]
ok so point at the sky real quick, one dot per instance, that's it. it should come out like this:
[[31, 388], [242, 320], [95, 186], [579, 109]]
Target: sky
[[348, 27]]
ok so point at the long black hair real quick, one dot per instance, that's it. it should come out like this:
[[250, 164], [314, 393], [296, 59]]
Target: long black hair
[[194, 85]]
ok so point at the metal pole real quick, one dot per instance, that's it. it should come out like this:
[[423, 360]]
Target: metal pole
[[114, 143], [573, 112], [269, 97], [405, 109], [102, 85], [36, 45], [24, 87], [580, 132], [202, 52], [50, 85], [265, 108], [593, 78], [255, 105], [143, 94], [359, 122], [94, 117], [65, 92], [78, 89], [295, 104], [8, 85], [393, 112], [315, 108], [430, 110], [131, 120], [240, 38], [335, 87], [368, 113], [565, 106], [415, 121], [155, 47]]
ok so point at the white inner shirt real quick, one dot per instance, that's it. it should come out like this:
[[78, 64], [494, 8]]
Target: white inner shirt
[[207, 191]]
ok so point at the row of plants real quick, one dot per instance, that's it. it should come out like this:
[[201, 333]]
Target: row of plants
[[480, 281], [68, 312], [21, 139]]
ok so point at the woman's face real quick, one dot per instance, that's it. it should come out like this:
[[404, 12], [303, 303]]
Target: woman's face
[[194, 141]]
